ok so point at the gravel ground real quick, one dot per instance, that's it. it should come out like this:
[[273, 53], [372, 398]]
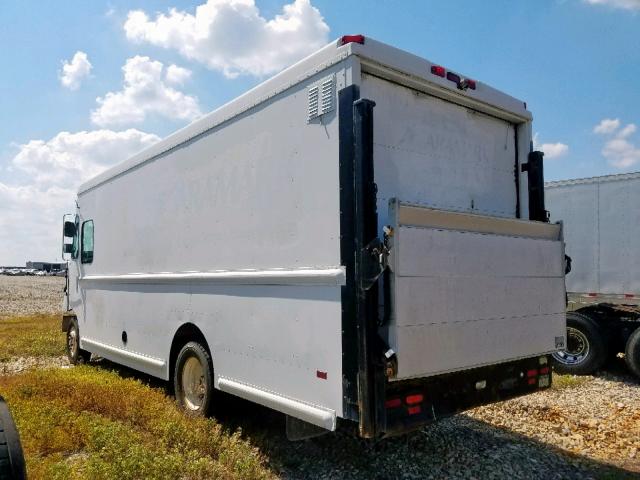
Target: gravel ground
[[19, 365], [28, 295], [588, 429]]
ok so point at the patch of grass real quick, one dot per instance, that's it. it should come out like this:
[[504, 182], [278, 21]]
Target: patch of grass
[[34, 336], [88, 422], [567, 381]]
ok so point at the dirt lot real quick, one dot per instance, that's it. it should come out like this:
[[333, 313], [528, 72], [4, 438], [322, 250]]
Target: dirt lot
[[587, 427], [29, 295]]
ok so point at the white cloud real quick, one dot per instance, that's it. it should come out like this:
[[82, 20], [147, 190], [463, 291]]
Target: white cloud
[[30, 224], [618, 150], [75, 71], [145, 92], [176, 75], [551, 150], [623, 4], [232, 37], [607, 126], [621, 153], [627, 131]]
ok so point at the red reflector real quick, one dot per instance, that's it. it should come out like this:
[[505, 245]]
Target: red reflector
[[472, 84], [322, 375], [414, 410], [438, 70], [453, 77], [393, 403], [532, 381], [532, 373], [352, 39], [544, 370], [413, 399]]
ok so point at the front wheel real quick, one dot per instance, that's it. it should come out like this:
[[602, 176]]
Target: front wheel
[[193, 379], [74, 353], [586, 350]]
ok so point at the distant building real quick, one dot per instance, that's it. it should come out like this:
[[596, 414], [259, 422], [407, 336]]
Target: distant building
[[47, 266]]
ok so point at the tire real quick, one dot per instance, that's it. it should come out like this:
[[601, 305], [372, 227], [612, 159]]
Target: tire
[[632, 352], [12, 466], [193, 379], [586, 349], [74, 353]]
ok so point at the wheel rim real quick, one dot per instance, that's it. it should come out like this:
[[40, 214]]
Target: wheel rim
[[577, 348], [72, 341], [194, 385]]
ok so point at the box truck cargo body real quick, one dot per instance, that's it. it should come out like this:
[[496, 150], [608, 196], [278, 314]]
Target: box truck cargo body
[[602, 234], [358, 237]]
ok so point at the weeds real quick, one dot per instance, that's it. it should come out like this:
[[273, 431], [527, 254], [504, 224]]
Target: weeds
[[567, 381], [88, 422], [31, 336]]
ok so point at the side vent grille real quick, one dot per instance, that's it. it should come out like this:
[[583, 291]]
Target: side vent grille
[[321, 98], [314, 93], [327, 96]]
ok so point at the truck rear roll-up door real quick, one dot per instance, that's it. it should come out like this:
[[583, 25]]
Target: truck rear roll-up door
[[471, 290]]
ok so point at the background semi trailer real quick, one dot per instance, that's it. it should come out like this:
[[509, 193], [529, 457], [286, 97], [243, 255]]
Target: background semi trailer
[[360, 237], [601, 222]]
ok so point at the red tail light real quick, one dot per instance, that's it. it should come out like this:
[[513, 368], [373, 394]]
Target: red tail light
[[393, 403], [352, 39], [532, 373], [544, 370], [438, 70], [414, 410], [413, 399], [472, 85], [532, 381]]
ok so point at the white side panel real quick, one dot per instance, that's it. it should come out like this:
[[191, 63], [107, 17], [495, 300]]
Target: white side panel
[[602, 231], [463, 299], [237, 232], [439, 155], [619, 248]]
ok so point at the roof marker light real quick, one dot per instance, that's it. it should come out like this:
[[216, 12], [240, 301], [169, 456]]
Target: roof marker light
[[352, 39], [438, 70], [453, 77]]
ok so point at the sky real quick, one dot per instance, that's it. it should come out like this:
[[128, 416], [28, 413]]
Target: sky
[[84, 85]]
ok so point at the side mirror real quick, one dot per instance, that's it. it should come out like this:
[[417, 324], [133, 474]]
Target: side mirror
[[69, 234], [69, 229]]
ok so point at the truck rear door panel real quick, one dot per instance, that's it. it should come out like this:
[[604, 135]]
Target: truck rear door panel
[[436, 153], [470, 290]]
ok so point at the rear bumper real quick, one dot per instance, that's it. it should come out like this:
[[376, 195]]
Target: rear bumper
[[411, 404]]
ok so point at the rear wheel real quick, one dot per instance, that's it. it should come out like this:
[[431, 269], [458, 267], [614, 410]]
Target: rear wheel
[[74, 352], [586, 350], [632, 352], [193, 379]]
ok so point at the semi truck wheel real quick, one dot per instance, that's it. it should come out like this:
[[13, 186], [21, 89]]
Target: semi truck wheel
[[75, 354], [586, 350], [11, 457], [632, 352], [193, 379]]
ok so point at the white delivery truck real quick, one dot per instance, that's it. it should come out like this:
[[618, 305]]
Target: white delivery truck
[[602, 233], [360, 237]]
